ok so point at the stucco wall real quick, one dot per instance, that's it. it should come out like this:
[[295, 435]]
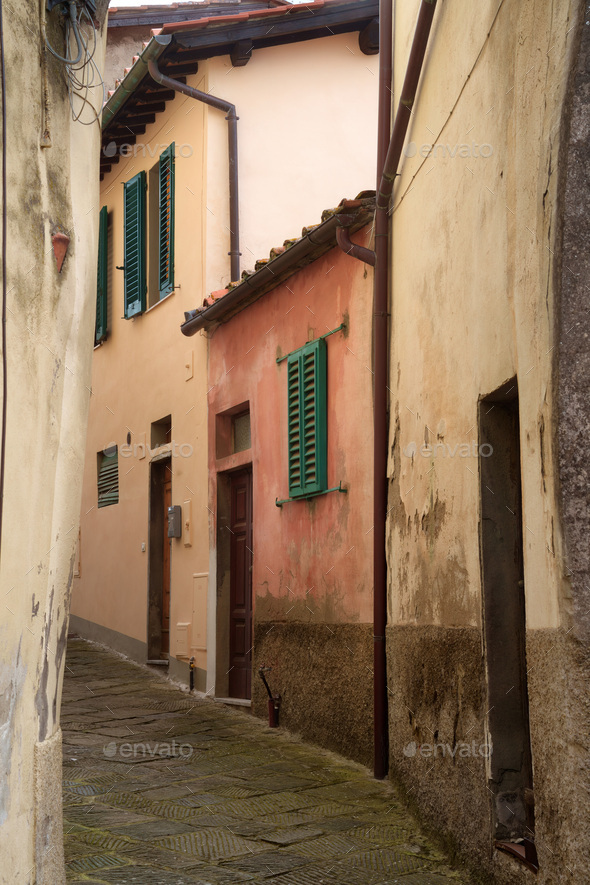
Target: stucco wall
[[312, 577], [475, 241], [49, 333], [281, 97], [139, 376]]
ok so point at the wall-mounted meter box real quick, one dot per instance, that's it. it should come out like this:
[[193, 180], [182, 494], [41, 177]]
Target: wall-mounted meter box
[[175, 521]]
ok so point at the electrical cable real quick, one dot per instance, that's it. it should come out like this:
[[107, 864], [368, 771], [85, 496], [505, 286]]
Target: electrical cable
[[81, 74], [4, 293], [71, 22]]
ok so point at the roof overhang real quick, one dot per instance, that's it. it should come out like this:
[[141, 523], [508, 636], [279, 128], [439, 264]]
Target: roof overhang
[[179, 46], [312, 245]]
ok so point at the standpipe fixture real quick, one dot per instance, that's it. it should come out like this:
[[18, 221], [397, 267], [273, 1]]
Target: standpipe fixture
[[232, 132], [388, 158], [274, 701]]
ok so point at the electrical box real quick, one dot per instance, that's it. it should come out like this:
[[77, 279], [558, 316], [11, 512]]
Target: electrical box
[[175, 521]]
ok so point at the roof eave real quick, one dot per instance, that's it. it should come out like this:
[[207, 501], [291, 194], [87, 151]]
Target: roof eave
[[152, 52], [303, 252]]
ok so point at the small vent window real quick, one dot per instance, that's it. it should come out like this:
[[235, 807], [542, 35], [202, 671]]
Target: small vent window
[[108, 477], [242, 438]]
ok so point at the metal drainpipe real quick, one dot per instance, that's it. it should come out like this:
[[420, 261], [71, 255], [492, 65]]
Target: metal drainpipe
[[346, 244], [232, 132], [380, 428], [388, 156], [389, 153]]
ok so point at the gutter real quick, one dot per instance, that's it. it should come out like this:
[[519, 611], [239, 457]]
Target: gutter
[[315, 243], [232, 132], [152, 52]]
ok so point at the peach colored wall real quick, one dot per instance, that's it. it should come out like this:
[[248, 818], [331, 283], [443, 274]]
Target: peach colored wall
[[312, 559], [139, 377]]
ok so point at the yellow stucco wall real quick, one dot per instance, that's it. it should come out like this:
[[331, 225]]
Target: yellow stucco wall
[[472, 300]]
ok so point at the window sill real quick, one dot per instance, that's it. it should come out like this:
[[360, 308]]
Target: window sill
[[338, 488], [158, 303]]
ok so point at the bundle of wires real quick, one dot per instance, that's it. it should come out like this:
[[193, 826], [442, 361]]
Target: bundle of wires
[[82, 75]]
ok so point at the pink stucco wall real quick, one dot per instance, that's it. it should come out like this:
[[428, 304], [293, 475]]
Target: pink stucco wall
[[312, 559]]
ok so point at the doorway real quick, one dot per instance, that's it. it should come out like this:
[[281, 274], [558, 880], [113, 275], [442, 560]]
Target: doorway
[[240, 595], [511, 771], [159, 589]]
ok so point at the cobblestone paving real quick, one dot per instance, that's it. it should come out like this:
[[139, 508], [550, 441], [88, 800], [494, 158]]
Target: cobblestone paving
[[162, 787]]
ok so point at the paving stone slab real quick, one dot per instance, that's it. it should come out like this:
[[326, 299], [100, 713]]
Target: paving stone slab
[[325, 875], [95, 862], [391, 861], [140, 875], [145, 832], [103, 816], [288, 818], [268, 864], [210, 844], [291, 836]]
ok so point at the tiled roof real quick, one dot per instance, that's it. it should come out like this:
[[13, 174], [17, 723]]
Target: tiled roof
[[126, 16], [254, 283]]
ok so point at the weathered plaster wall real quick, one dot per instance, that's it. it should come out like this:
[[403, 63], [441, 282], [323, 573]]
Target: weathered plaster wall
[[312, 578], [475, 246], [573, 362], [49, 332], [139, 376]]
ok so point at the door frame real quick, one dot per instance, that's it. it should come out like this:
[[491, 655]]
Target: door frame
[[160, 472], [223, 576]]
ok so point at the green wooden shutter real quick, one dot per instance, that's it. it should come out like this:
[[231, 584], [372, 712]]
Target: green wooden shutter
[[166, 222], [307, 432], [100, 328], [134, 257], [108, 477]]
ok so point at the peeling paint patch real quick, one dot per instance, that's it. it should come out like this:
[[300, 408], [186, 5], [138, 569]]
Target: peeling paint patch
[[11, 686]]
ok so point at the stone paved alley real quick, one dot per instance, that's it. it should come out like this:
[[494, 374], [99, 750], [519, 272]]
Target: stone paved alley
[[162, 787]]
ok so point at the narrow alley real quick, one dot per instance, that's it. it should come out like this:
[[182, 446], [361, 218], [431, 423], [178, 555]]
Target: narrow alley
[[165, 788]]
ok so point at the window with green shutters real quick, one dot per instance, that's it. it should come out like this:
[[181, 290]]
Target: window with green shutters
[[134, 251], [166, 222], [100, 328], [108, 477], [307, 443]]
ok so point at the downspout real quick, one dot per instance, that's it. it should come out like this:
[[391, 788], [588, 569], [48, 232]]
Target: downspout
[[388, 157], [380, 424], [232, 132]]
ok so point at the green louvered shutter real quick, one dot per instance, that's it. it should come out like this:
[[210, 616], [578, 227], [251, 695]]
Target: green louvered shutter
[[108, 477], [166, 222], [134, 245], [307, 379], [100, 328]]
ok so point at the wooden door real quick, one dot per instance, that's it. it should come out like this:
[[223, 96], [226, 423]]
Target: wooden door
[[166, 572], [240, 626]]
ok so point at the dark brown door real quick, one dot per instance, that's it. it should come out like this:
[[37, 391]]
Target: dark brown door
[[240, 626], [166, 572]]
